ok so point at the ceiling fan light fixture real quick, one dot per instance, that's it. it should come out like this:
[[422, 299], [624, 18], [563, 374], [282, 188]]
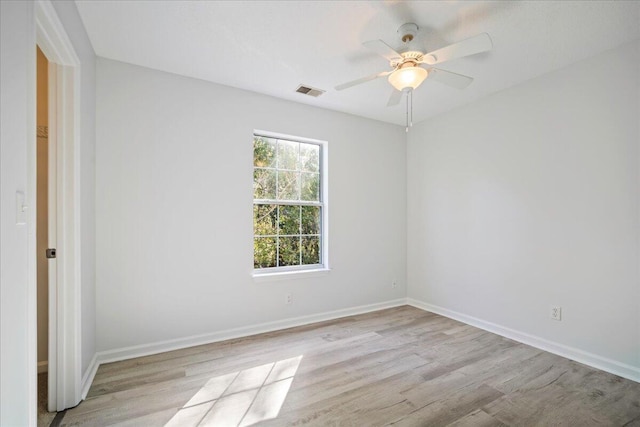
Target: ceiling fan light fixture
[[408, 77]]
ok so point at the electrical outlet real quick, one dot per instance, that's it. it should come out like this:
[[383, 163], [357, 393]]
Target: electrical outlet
[[556, 313], [394, 284], [288, 299]]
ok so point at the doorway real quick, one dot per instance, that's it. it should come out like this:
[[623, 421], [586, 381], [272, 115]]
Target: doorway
[[43, 229], [64, 375]]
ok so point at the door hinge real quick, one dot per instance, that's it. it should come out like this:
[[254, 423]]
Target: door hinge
[[51, 253]]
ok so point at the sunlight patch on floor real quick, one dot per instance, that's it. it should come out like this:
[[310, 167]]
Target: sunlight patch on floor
[[241, 398]]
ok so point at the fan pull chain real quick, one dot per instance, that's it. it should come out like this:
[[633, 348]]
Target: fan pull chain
[[411, 110], [409, 113], [406, 129]]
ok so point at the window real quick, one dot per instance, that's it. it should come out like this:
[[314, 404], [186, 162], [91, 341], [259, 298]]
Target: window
[[288, 204]]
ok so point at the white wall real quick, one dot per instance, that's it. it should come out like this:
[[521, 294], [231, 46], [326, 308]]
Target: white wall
[[528, 199], [174, 215], [68, 14], [17, 343]]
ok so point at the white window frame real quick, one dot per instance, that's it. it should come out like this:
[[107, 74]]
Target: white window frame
[[309, 270]]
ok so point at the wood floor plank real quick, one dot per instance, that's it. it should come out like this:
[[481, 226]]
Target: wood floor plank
[[144, 361], [107, 374], [401, 366], [549, 405], [633, 423], [477, 418], [451, 407], [153, 419], [331, 391]]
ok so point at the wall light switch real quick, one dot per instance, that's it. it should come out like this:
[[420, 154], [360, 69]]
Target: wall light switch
[[21, 209]]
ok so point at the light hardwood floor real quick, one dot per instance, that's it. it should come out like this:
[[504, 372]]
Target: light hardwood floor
[[401, 366]]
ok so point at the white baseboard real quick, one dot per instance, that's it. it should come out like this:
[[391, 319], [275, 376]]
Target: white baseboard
[[43, 367], [176, 344], [88, 376], [599, 362], [593, 360]]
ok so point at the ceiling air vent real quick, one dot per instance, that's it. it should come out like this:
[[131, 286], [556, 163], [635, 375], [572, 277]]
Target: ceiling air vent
[[310, 91]]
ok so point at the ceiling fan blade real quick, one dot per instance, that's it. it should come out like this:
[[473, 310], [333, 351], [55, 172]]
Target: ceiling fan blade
[[449, 78], [394, 99], [477, 44], [382, 49], [362, 80]]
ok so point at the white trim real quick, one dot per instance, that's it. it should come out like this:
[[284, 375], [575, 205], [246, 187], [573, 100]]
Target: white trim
[[89, 375], [125, 353], [324, 202], [292, 138], [599, 362], [179, 343], [68, 275], [637, 207], [324, 188], [52, 212], [32, 244], [43, 367], [289, 275], [52, 37], [65, 353]]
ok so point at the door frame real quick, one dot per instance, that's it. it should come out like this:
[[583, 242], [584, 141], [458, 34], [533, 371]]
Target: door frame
[[64, 133]]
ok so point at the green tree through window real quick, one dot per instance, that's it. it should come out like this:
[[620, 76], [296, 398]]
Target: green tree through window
[[287, 203]]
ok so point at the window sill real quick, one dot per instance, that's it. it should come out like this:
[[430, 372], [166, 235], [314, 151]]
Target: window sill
[[288, 275]]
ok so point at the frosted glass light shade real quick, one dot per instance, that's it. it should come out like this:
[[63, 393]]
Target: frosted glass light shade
[[409, 77]]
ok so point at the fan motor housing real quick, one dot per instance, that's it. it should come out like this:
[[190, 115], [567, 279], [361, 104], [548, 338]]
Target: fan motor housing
[[412, 56]]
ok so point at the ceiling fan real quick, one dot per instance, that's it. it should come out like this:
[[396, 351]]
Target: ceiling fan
[[411, 66]]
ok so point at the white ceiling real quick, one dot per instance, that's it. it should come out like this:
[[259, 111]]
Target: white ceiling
[[272, 46]]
